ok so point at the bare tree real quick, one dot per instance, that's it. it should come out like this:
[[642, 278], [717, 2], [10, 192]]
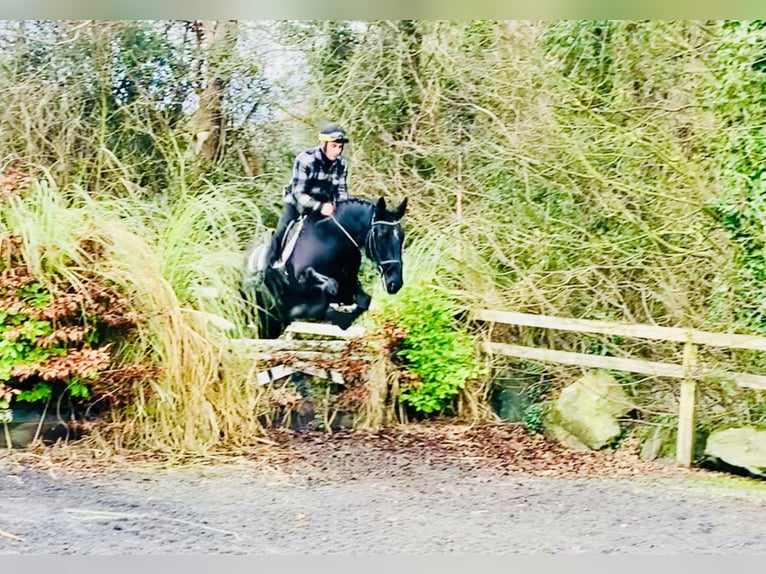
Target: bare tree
[[216, 40]]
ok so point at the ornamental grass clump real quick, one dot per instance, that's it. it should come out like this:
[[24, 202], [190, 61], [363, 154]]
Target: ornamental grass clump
[[75, 267]]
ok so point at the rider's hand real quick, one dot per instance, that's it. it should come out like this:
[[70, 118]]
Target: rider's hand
[[327, 209]]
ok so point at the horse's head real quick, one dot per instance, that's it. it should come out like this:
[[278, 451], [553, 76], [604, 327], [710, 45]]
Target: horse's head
[[385, 241]]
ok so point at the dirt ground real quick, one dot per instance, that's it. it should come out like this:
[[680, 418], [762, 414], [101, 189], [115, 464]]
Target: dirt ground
[[421, 489]]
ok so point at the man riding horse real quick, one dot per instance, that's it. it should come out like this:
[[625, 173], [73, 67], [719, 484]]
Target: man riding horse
[[317, 275], [318, 181]]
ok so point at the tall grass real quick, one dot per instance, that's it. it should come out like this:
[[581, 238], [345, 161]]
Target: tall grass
[[162, 260]]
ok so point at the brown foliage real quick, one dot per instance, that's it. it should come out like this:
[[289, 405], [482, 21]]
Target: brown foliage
[[82, 363], [7, 393], [114, 387], [13, 182], [74, 314], [93, 300], [10, 248], [72, 334], [15, 278], [353, 397]]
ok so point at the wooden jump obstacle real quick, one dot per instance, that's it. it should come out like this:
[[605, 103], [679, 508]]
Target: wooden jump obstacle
[[303, 351], [690, 371]]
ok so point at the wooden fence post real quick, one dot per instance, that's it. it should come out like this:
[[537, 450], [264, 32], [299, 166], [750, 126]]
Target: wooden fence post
[[685, 438]]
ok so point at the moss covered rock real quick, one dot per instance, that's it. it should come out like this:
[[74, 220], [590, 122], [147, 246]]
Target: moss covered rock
[[586, 412], [741, 447]]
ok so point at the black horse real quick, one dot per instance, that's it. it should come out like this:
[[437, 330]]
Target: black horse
[[321, 272]]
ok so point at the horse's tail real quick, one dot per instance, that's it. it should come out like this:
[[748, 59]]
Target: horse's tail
[[261, 291], [262, 294]]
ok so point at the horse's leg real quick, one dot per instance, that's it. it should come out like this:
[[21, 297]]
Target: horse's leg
[[312, 304], [263, 294], [314, 309], [316, 292], [261, 313], [341, 319], [362, 302], [310, 278], [261, 291], [269, 315], [251, 303], [344, 319], [362, 299]]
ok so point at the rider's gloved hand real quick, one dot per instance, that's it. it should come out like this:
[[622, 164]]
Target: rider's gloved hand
[[327, 209]]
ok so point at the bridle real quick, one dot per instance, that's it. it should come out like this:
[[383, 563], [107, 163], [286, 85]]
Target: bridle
[[371, 248]]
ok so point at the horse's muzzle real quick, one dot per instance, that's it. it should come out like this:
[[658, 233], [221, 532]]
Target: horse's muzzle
[[393, 284]]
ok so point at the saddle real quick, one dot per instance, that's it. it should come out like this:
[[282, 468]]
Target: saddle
[[289, 239]]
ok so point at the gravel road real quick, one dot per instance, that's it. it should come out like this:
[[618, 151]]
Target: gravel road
[[394, 493]]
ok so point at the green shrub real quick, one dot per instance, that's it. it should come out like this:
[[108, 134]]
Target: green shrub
[[49, 344], [436, 350], [534, 417]]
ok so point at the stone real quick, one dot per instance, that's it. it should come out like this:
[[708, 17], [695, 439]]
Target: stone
[[740, 447], [652, 446], [588, 410], [564, 437]]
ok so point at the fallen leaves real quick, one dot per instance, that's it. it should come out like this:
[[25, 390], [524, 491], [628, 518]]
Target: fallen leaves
[[497, 448]]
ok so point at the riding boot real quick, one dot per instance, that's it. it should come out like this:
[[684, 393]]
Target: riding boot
[[289, 214]]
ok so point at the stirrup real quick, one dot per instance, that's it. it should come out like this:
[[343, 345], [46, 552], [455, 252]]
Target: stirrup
[[343, 308]]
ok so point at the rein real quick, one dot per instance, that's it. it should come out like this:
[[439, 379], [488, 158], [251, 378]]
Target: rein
[[345, 231], [370, 243]]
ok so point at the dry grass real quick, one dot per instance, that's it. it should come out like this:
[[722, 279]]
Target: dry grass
[[189, 408], [377, 409]]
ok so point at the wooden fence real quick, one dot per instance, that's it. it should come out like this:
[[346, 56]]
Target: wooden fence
[[303, 353], [689, 371]]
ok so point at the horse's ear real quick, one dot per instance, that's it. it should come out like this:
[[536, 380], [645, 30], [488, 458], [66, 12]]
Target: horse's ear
[[380, 208], [401, 208]]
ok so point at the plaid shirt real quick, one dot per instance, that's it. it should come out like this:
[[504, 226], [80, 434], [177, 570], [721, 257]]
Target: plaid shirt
[[316, 180]]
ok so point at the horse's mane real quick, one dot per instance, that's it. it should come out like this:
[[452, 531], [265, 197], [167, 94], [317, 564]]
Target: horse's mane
[[356, 200], [346, 207]]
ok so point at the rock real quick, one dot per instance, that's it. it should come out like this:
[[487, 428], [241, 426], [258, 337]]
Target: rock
[[652, 446], [742, 447], [588, 410], [566, 438]]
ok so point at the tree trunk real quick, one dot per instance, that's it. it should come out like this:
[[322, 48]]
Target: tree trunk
[[215, 41]]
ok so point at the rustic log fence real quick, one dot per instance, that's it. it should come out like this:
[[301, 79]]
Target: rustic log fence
[[302, 352], [690, 371]]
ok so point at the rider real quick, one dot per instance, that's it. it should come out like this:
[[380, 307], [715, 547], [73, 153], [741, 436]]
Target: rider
[[318, 181]]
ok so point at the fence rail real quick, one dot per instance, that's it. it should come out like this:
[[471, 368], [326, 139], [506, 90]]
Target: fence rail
[[672, 334], [302, 352], [689, 371]]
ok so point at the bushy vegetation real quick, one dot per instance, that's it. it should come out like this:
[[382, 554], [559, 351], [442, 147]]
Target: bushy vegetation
[[436, 349], [592, 169], [104, 306]]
